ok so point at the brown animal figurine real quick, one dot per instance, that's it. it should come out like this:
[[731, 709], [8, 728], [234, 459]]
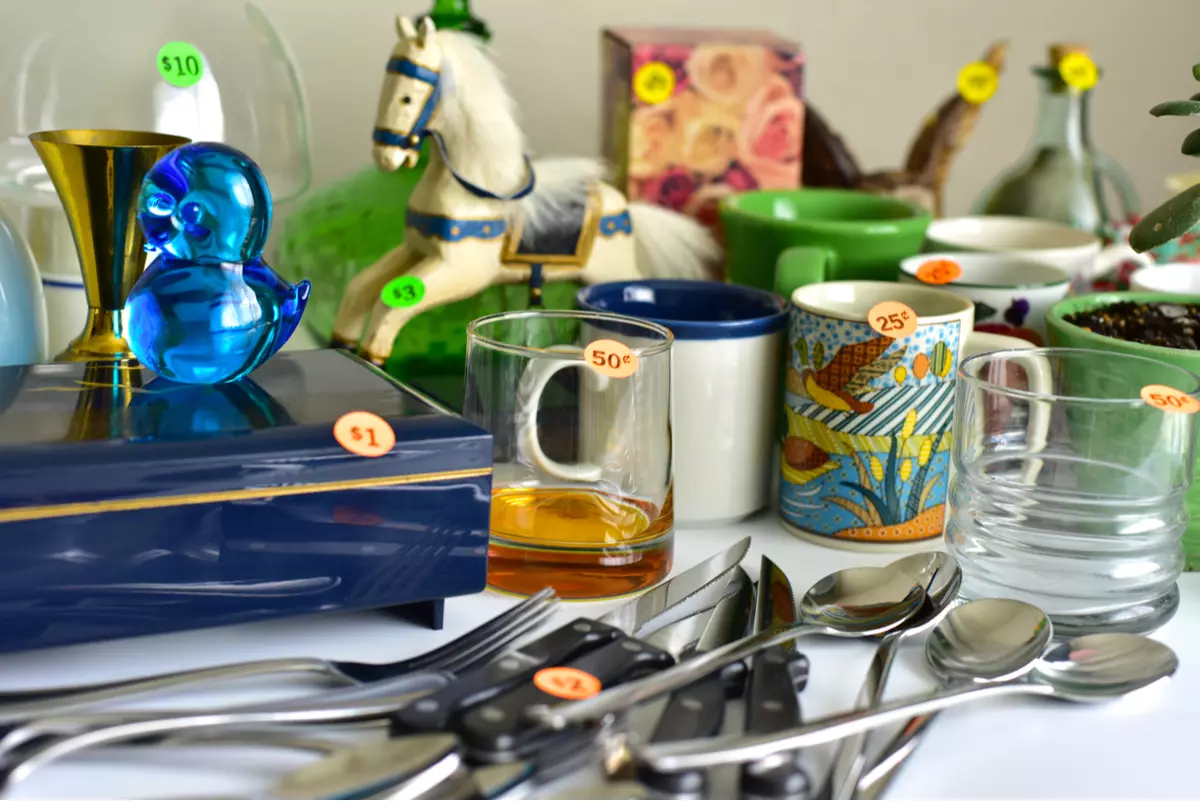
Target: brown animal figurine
[[828, 162]]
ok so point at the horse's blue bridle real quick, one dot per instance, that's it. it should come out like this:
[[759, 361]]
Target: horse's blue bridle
[[420, 129]]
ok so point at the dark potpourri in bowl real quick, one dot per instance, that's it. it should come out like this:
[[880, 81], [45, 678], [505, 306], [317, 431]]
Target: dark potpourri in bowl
[[1168, 325]]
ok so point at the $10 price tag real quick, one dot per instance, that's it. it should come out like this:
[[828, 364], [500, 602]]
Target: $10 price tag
[[611, 358], [892, 319], [364, 434], [180, 64], [1169, 399]]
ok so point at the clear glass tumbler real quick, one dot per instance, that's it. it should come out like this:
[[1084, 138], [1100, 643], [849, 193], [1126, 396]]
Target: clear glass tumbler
[[1068, 489], [579, 406]]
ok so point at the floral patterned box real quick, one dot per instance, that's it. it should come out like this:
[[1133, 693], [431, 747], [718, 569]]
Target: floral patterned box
[[692, 115]]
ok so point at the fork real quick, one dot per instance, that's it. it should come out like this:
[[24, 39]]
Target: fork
[[472, 648]]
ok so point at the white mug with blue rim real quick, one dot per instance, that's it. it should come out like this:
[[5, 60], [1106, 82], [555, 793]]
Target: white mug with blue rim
[[726, 370]]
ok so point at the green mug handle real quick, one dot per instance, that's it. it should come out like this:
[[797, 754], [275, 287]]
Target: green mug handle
[[802, 266]]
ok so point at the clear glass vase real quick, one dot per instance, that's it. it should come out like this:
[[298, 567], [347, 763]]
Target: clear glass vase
[[1062, 177]]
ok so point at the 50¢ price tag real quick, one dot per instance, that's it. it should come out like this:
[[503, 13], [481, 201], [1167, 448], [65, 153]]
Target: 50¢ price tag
[[1169, 399], [611, 358], [892, 319]]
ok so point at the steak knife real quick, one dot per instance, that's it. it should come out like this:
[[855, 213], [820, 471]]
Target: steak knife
[[637, 617]]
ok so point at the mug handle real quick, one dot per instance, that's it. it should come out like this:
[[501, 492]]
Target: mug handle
[[801, 266], [529, 399], [1041, 381]]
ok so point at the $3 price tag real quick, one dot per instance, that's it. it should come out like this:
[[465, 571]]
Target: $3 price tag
[[402, 292], [611, 358], [180, 64], [977, 82], [569, 683], [892, 319], [364, 434], [1169, 399]]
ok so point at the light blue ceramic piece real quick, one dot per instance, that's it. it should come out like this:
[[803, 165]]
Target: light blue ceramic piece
[[23, 333], [209, 309]]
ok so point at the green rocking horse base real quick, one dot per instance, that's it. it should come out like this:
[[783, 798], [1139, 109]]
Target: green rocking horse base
[[339, 230]]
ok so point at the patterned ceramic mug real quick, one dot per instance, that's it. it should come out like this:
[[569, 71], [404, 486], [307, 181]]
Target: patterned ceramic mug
[[866, 459]]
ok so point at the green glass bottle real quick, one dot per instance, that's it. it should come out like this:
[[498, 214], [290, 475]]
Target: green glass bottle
[[343, 228], [1061, 178]]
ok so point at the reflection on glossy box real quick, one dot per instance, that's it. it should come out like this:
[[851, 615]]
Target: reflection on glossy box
[[131, 506]]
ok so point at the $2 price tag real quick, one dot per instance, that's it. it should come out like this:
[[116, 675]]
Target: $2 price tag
[[402, 292], [364, 434], [939, 271], [1078, 71], [977, 82], [611, 358], [569, 683], [180, 64], [1169, 399], [892, 319]]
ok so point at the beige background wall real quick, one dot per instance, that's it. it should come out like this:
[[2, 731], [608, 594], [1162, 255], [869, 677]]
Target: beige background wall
[[875, 69]]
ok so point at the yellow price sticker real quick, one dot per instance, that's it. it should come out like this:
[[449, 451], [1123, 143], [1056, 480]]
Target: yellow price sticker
[[977, 82], [1078, 71], [654, 83]]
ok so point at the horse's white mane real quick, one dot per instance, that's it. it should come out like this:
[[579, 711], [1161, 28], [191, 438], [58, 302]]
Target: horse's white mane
[[478, 118]]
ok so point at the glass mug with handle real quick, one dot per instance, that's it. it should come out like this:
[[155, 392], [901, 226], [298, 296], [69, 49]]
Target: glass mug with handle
[[579, 406]]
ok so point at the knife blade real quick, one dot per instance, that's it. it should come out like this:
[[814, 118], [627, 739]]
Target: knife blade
[[634, 618], [419, 762], [698, 710], [777, 675], [501, 729]]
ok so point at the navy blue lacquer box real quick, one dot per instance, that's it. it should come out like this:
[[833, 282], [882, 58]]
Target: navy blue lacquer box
[[131, 506]]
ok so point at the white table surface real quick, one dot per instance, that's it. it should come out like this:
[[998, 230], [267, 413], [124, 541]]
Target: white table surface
[[1140, 746]]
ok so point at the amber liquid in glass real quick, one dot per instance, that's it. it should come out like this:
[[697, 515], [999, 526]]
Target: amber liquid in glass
[[584, 543]]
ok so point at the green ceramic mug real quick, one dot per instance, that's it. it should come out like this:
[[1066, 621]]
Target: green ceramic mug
[[862, 237], [1121, 434]]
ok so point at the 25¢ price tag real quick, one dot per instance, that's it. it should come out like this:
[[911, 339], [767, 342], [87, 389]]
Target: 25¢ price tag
[[892, 319], [611, 358], [569, 683], [1078, 71], [364, 434], [1169, 399], [977, 82], [939, 271], [402, 292]]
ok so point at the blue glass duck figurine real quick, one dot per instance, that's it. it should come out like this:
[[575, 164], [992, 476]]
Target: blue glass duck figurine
[[208, 309]]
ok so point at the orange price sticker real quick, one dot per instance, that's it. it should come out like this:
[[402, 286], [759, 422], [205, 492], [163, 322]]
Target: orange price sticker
[[939, 271], [364, 434], [566, 682], [1169, 399], [892, 319], [611, 358]]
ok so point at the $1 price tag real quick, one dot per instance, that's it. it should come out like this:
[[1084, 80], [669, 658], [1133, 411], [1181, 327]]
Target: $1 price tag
[[977, 82], [611, 358], [402, 292], [180, 64], [892, 319], [1078, 71], [939, 271], [364, 434], [566, 682], [1169, 399]]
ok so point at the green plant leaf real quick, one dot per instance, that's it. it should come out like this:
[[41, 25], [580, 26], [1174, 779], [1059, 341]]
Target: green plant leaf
[[1196, 71], [1177, 108], [1195, 96], [984, 311], [1169, 221], [874, 500], [1191, 144]]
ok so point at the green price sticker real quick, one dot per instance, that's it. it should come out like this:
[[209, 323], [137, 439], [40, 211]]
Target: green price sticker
[[402, 292], [180, 64]]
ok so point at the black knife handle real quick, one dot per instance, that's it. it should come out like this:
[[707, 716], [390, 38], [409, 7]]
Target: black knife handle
[[435, 712], [777, 676], [697, 711], [499, 730]]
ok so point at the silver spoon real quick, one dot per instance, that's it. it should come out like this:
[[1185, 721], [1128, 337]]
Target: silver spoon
[[859, 602], [1096, 667], [941, 577]]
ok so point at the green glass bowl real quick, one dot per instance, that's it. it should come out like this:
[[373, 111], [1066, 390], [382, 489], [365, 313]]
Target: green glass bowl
[[1067, 335]]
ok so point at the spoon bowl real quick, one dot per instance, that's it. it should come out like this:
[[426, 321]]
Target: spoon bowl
[[1101, 667], [992, 639]]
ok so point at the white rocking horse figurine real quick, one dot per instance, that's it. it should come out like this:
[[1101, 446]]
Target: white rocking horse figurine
[[478, 217]]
